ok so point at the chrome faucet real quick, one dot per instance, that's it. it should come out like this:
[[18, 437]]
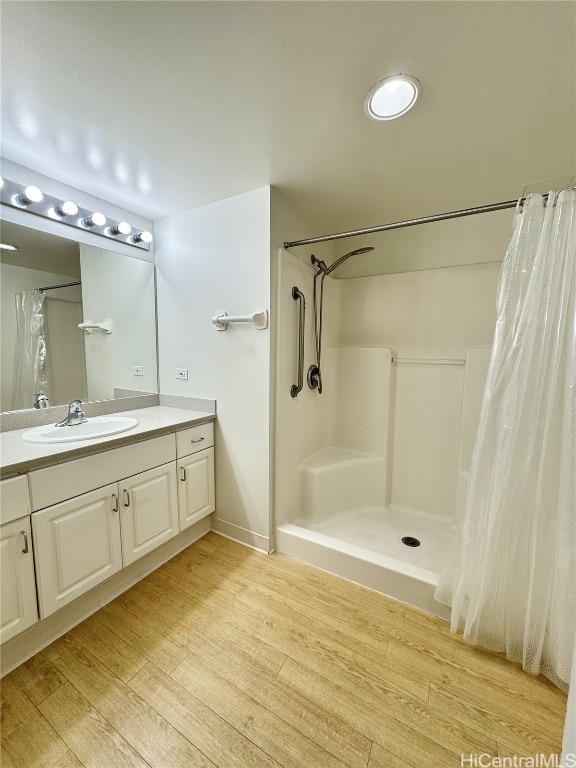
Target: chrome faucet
[[41, 400], [75, 415]]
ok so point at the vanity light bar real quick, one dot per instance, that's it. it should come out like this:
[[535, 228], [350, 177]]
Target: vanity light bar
[[33, 200]]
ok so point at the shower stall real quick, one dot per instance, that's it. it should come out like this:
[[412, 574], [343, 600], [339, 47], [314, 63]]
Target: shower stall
[[371, 474]]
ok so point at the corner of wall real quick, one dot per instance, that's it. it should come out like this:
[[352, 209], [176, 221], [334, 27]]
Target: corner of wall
[[212, 259]]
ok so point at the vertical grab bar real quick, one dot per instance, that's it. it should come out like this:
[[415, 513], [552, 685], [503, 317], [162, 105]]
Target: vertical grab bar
[[297, 295]]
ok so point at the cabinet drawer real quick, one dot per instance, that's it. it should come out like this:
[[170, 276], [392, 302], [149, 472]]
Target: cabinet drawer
[[14, 499], [194, 439], [55, 484]]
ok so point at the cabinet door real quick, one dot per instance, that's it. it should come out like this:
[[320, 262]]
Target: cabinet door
[[196, 487], [76, 546], [17, 588], [149, 511]]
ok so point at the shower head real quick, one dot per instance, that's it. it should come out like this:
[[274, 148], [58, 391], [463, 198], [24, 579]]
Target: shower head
[[342, 259], [321, 265]]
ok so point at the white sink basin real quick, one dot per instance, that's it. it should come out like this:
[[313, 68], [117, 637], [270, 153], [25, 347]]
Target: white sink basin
[[97, 426]]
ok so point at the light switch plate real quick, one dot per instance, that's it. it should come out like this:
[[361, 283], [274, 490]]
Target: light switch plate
[[182, 373], [138, 370]]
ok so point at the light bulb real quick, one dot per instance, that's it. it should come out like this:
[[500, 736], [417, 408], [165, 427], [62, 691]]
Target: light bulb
[[122, 228], [67, 208], [143, 237], [31, 195], [95, 219]]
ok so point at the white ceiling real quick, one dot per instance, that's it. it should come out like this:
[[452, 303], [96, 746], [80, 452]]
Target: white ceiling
[[160, 106], [39, 250]]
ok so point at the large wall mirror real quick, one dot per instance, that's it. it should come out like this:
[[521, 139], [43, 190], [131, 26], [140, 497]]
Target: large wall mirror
[[42, 348]]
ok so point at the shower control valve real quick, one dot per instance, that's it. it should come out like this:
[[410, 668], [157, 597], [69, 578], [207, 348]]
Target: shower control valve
[[314, 379]]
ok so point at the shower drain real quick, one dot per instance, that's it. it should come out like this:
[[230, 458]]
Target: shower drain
[[410, 541]]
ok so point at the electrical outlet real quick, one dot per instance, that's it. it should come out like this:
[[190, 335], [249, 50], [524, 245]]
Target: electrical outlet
[[182, 373], [137, 370]]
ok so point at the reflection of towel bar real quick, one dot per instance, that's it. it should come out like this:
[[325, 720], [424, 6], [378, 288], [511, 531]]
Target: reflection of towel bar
[[88, 327], [259, 319], [429, 361]]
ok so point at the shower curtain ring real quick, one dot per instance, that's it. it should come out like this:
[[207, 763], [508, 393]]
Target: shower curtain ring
[[521, 200]]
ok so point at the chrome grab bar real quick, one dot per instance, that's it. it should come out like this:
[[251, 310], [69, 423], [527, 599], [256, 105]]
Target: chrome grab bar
[[297, 295]]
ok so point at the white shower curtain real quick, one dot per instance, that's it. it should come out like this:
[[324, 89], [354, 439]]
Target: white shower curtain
[[30, 371], [513, 585]]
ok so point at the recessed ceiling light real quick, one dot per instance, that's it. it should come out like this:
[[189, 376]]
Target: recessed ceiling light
[[392, 97], [8, 247]]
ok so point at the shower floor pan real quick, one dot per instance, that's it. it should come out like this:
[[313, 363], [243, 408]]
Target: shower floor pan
[[365, 546]]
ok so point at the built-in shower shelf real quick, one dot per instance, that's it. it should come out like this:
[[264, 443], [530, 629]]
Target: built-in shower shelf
[[429, 361], [327, 458]]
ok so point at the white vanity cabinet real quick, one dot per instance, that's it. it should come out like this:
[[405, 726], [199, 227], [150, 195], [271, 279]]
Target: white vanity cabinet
[[18, 609], [195, 451], [80, 530], [77, 546], [148, 511], [84, 536]]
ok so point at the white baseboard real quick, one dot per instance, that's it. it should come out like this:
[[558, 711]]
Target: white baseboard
[[20, 648], [241, 535]]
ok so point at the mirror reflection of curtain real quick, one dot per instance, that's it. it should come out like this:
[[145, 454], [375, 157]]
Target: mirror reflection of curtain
[[31, 370]]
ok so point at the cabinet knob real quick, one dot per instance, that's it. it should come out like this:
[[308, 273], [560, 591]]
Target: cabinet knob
[[198, 441], [26, 548], [114, 503], [183, 474], [126, 498]]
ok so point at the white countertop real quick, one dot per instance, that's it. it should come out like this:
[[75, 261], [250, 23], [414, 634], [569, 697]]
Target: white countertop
[[18, 456]]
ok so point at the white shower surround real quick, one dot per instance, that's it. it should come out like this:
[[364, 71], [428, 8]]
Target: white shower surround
[[384, 452]]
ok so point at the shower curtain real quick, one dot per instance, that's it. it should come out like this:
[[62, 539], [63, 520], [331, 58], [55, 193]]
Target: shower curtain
[[30, 372], [512, 587]]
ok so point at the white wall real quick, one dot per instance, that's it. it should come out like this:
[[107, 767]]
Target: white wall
[[120, 289], [66, 359], [210, 260], [298, 423], [469, 240], [432, 313]]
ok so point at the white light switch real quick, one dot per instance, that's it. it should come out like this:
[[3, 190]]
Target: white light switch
[[138, 370], [181, 373]]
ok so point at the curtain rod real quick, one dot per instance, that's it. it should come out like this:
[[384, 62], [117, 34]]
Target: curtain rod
[[63, 285], [411, 222]]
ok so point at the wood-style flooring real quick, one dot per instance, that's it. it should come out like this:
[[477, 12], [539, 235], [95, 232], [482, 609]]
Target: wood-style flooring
[[226, 657]]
